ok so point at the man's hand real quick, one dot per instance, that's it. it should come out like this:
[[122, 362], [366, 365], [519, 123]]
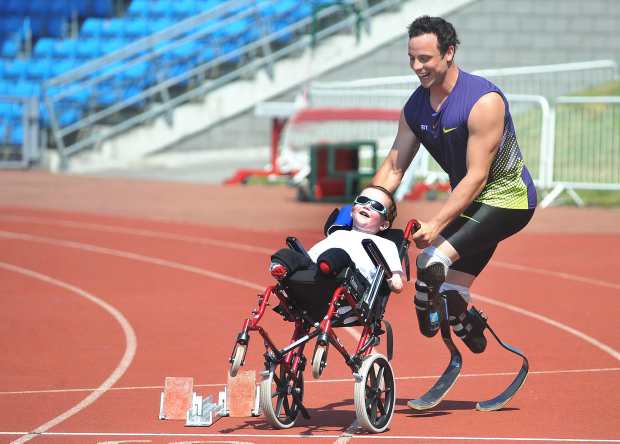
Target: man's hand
[[425, 236]]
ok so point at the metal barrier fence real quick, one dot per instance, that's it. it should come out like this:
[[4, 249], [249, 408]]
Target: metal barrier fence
[[19, 132], [584, 153], [568, 143]]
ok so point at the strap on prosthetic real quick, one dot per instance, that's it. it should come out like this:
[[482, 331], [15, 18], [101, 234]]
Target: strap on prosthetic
[[432, 266], [465, 324]]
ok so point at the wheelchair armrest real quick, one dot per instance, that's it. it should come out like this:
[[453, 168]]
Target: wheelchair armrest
[[295, 244], [376, 257]]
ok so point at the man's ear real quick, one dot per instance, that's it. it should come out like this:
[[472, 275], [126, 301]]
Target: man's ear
[[384, 226]]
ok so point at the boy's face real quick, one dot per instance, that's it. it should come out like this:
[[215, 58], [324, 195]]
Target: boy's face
[[365, 217]]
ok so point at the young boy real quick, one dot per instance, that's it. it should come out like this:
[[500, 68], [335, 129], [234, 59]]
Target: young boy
[[373, 211]]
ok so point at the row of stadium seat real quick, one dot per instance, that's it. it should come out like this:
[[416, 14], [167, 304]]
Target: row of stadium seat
[[55, 8], [53, 56]]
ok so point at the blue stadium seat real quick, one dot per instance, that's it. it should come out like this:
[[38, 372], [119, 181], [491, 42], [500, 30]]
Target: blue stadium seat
[[5, 88], [89, 49], [27, 88], [139, 8], [15, 69], [92, 28], [161, 10], [183, 8], [112, 44], [66, 49], [44, 48], [62, 66], [113, 28], [10, 48], [67, 116], [157, 25], [39, 69], [136, 28]]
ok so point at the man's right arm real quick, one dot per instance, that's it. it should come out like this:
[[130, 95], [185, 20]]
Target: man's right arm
[[405, 147]]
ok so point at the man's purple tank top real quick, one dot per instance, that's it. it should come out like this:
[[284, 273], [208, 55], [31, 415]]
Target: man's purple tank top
[[445, 133]]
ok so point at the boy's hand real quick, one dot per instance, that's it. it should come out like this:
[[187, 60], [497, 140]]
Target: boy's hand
[[395, 283]]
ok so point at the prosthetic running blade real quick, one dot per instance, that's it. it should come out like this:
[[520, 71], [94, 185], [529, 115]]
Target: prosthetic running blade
[[445, 382], [502, 399]]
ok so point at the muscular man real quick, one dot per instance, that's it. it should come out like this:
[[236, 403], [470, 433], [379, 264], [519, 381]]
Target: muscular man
[[464, 122]]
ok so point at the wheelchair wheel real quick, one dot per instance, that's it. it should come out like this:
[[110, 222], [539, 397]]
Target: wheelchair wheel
[[279, 390], [240, 350], [319, 361], [375, 394]]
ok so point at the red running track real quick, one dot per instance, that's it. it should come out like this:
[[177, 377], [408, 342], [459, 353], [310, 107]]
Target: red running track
[[97, 310]]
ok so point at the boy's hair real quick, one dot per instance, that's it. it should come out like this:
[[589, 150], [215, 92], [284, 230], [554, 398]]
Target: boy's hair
[[445, 32], [391, 211]]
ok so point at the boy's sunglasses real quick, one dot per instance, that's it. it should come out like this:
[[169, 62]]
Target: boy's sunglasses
[[375, 205]]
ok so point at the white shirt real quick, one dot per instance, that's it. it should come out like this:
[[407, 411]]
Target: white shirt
[[351, 242]]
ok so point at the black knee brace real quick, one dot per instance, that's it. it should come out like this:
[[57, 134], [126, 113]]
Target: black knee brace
[[432, 275], [465, 323]]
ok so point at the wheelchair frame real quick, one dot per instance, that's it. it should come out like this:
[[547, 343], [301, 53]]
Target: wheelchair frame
[[281, 388]]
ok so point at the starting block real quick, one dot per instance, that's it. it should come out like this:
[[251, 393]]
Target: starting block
[[240, 398], [176, 398]]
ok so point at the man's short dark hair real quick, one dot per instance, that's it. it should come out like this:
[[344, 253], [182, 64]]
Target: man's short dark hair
[[445, 32]]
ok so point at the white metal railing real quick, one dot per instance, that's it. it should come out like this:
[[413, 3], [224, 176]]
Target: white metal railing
[[568, 142], [584, 153]]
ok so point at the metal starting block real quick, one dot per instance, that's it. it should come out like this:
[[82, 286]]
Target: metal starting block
[[240, 398], [204, 411]]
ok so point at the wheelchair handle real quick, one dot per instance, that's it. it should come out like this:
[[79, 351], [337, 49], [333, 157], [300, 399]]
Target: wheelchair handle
[[412, 226]]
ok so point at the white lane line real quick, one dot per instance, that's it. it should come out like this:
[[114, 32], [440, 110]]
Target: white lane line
[[261, 250], [573, 331], [325, 381], [130, 348], [162, 262], [557, 274], [140, 232], [324, 436], [131, 256]]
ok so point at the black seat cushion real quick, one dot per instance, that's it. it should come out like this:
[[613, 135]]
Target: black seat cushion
[[311, 291]]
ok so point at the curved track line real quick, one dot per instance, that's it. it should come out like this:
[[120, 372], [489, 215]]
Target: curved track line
[[123, 365], [162, 262], [129, 255], [140, 232], [596, 343], [261, 250], [557, 274], [149, 259]]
